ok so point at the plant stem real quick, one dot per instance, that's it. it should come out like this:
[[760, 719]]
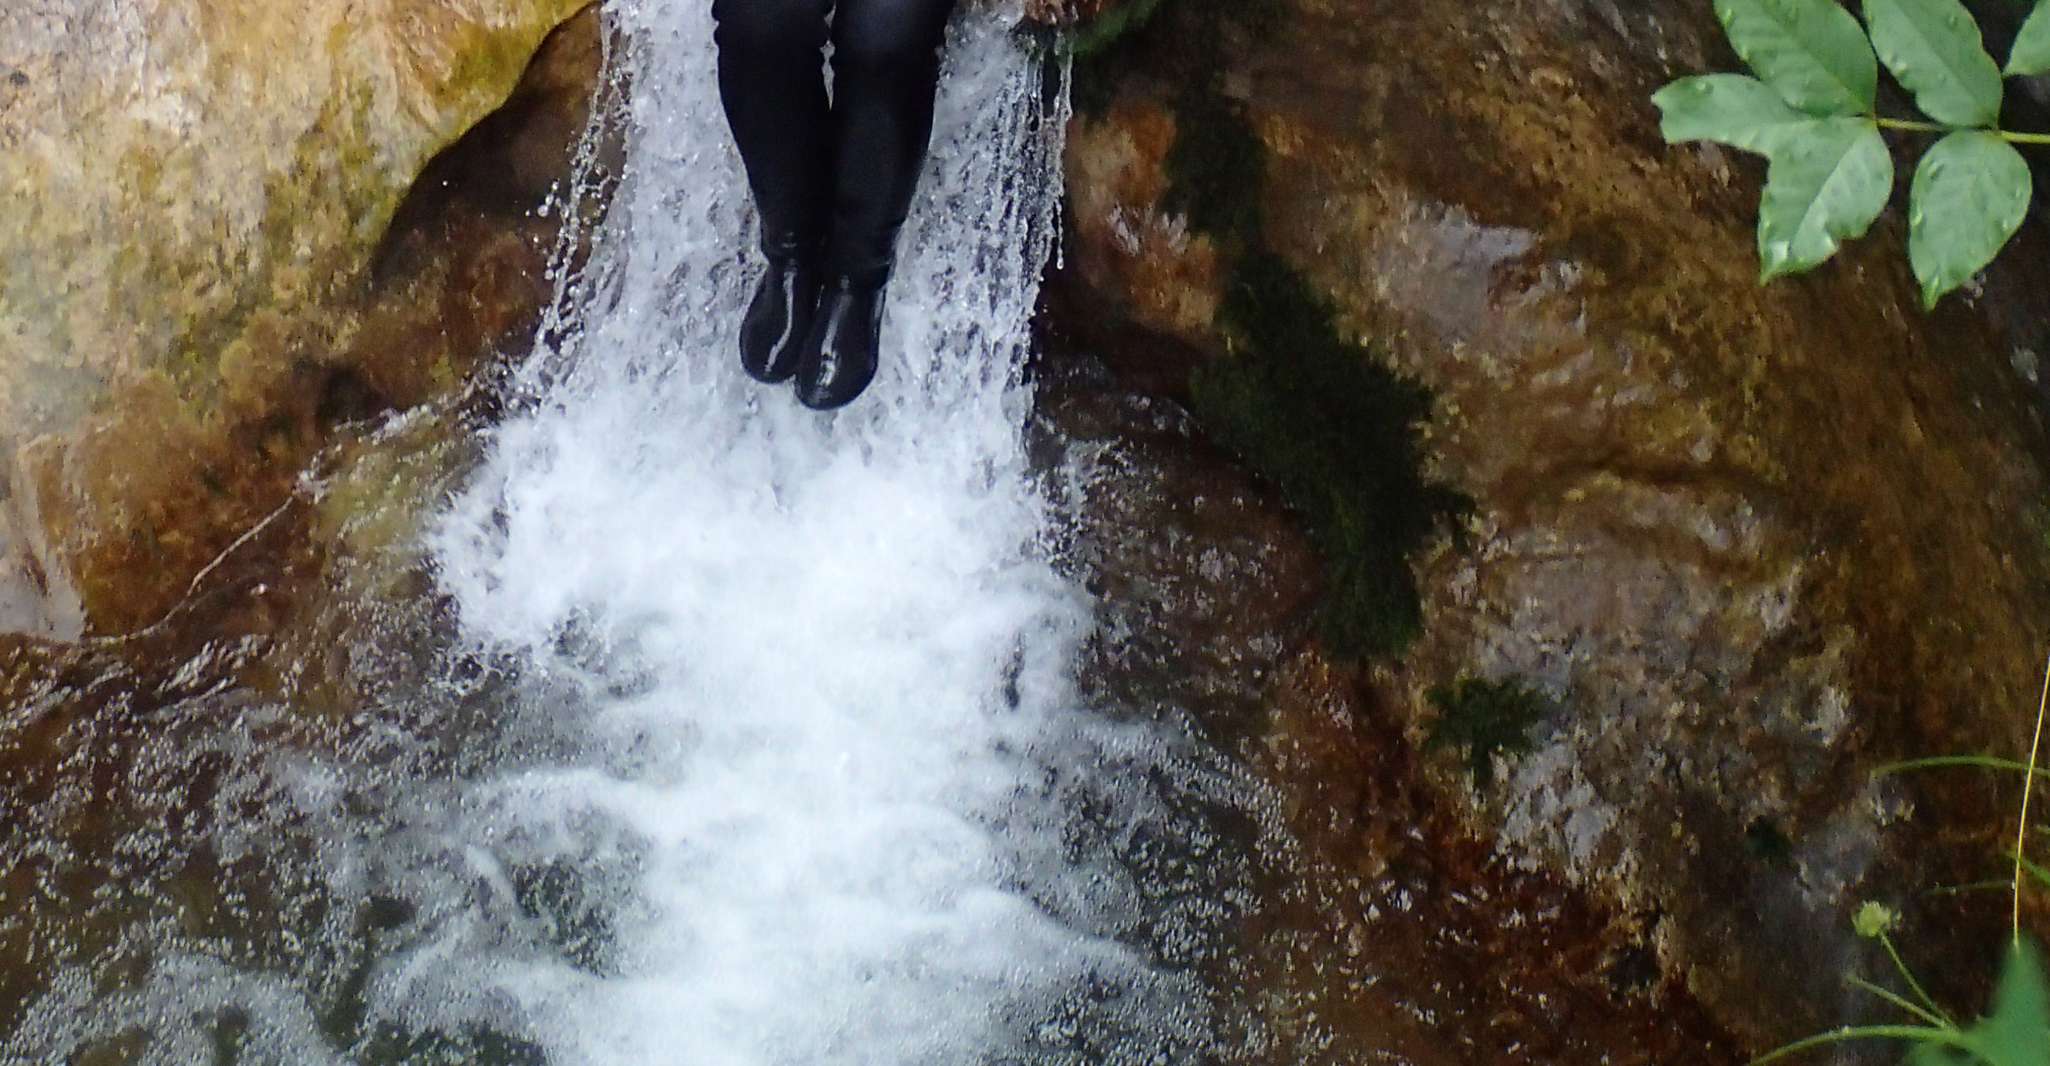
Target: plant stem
[[1909, 976], [1910, 124], [1900, 1001], [2021, 839], [1975, 886], [2036, 870], [1918, 126], [1914, 1033], [1984, 761]]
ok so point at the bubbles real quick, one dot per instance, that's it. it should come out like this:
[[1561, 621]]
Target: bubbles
[[850, 655]]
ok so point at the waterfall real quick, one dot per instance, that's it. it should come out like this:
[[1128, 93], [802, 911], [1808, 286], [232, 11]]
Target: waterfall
[[807, 668]]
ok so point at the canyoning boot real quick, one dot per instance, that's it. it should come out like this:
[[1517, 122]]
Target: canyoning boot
[[839, 357], [779, 318]]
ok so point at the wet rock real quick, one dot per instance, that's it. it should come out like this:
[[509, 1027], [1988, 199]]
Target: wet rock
[[189, 308], [1383, 932], [277, 585], [1749, 542], [1207, 582]]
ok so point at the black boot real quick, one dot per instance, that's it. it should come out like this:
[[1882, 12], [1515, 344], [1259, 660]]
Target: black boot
[[779, 318], [839, 357]]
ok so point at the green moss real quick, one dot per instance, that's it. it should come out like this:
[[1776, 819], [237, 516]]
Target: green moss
[[1112, 26], [1093, 85], [1105, 46], [1484, 719], [1216, 168], [1320, 416], [1183, 38], [1337, 432]]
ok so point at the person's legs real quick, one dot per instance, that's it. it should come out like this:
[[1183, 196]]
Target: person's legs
[[886, 72], [772, 83], [886, 68]]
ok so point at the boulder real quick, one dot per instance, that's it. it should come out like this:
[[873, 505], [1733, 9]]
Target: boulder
[[247, 540], [187, 305], [1379, 930], [1727, 547]]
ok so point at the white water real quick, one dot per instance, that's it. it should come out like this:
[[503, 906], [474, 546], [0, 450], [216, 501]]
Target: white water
[[818, 666], [759, 742]]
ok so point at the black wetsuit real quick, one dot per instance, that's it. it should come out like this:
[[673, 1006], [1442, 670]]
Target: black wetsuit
[[841, 175]]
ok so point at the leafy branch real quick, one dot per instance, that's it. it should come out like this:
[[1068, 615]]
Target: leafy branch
[[1812, 111]]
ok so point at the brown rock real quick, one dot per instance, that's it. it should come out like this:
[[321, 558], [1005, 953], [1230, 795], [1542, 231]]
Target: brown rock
[[1384, 931], [207, 184], [1751, 541], [279, 547]]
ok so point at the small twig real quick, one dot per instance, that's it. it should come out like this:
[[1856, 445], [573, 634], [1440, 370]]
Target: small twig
[[254, 531]]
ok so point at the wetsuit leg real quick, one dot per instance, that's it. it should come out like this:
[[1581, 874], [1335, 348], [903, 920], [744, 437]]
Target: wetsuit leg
[[772, 82], [886, 70]]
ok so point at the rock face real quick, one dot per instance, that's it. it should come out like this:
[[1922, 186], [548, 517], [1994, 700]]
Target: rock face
[[1384, 932], [242, 525], [1742, 543], [196, 192]]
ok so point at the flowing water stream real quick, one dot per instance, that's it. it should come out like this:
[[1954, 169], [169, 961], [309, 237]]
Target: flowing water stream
[[759, 739]]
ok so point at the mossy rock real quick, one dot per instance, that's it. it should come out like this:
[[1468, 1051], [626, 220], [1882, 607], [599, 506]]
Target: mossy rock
[[1762, 539]]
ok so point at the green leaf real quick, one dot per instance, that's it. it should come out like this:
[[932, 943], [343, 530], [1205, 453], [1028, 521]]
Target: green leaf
[[1731, 109], [2031, 53], [1934, 1054], [2017, 1033], [1828, 180], [1812, 52], [1971, 192], [1934, 48]]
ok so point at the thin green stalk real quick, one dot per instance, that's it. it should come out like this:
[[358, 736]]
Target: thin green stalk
[[1919, 126], [1974, 886], [2021, 833], [1909, 976], [1987, 762], [1898, 1000], [1911, 124], [2035, 870], [1927, 1034]]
